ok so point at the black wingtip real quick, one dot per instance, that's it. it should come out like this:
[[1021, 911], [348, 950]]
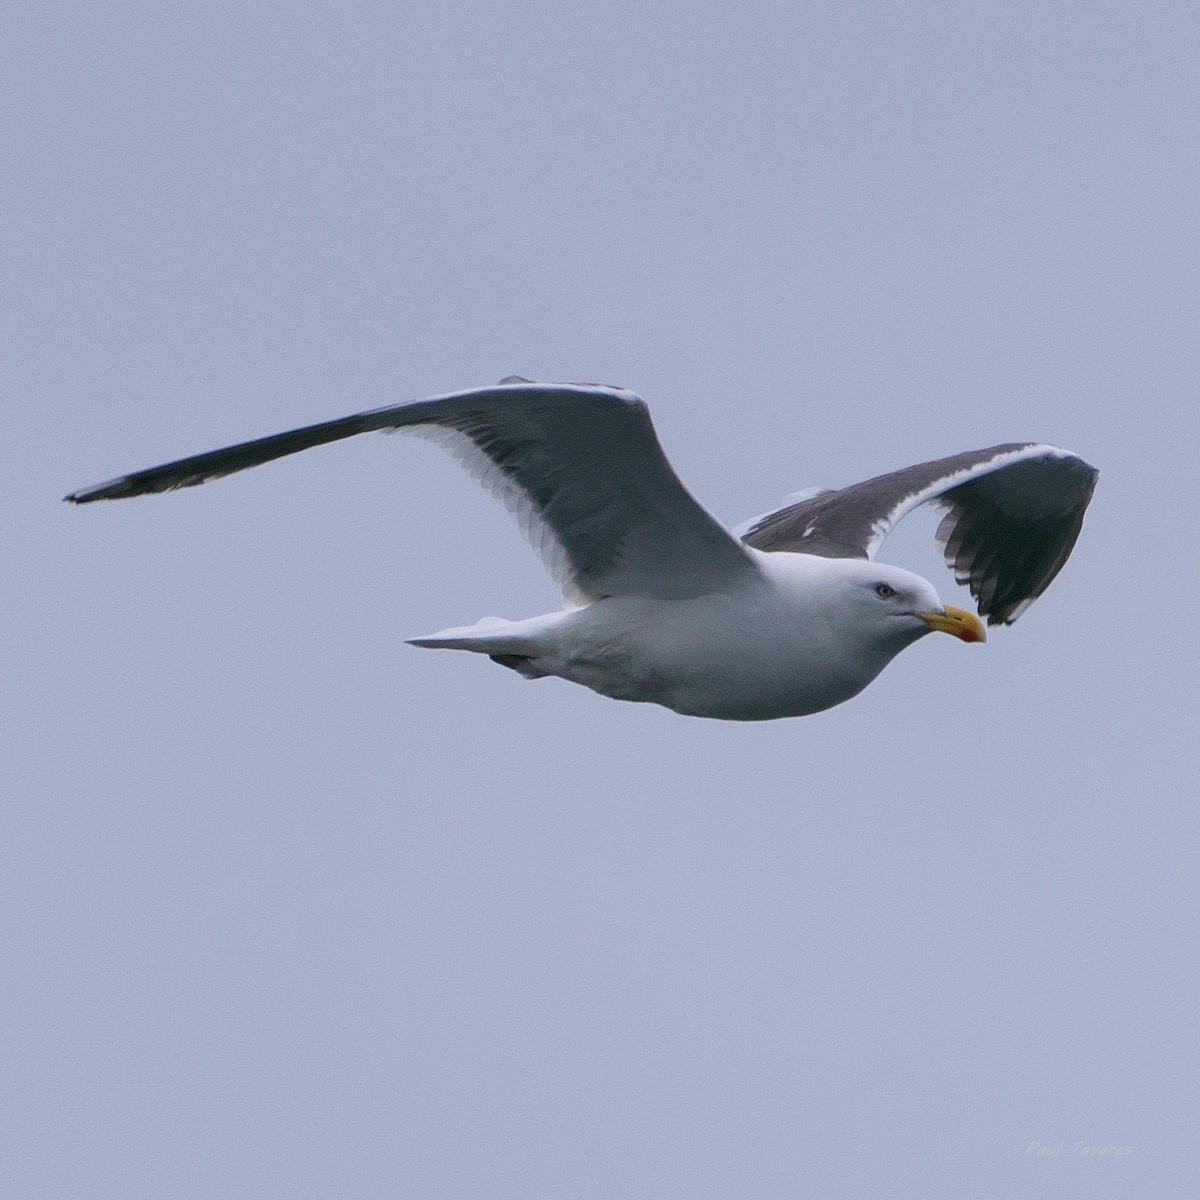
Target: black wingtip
[[113, 489]]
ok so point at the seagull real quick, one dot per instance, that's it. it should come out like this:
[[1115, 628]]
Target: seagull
[[783, 617]]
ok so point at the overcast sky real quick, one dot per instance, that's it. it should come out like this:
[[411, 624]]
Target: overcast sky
[[291, 909]]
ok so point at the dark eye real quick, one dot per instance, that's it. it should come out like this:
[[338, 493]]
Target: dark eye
[[885, 590]]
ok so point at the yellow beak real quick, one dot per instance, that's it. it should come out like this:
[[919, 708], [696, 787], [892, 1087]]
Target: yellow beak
[[957, 621]]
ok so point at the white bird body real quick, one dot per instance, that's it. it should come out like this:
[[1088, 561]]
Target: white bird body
[[782, 618], [786, 642]]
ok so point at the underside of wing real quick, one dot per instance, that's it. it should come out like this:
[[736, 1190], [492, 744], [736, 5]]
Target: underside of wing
[[579, 465], [1013, 515]]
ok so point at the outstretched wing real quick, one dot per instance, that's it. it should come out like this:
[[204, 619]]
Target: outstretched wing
[[579, 465], [1013, 514]]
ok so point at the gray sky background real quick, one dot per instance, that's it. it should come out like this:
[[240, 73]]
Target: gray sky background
[[290, 909]]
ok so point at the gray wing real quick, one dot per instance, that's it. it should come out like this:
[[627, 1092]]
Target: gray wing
[[1013, 514], [579, 465]]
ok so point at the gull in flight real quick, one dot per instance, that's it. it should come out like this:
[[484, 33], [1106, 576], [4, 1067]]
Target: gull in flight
[[787, 616]]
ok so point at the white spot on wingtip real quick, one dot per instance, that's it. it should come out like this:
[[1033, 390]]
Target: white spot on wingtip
[[1019, 609]]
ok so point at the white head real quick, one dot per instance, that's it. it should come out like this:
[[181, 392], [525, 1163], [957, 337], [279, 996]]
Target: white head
[[877, 607], [839, 621], [893, 607]]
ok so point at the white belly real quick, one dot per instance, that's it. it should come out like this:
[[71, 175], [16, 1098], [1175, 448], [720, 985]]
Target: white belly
[[713, 656]]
